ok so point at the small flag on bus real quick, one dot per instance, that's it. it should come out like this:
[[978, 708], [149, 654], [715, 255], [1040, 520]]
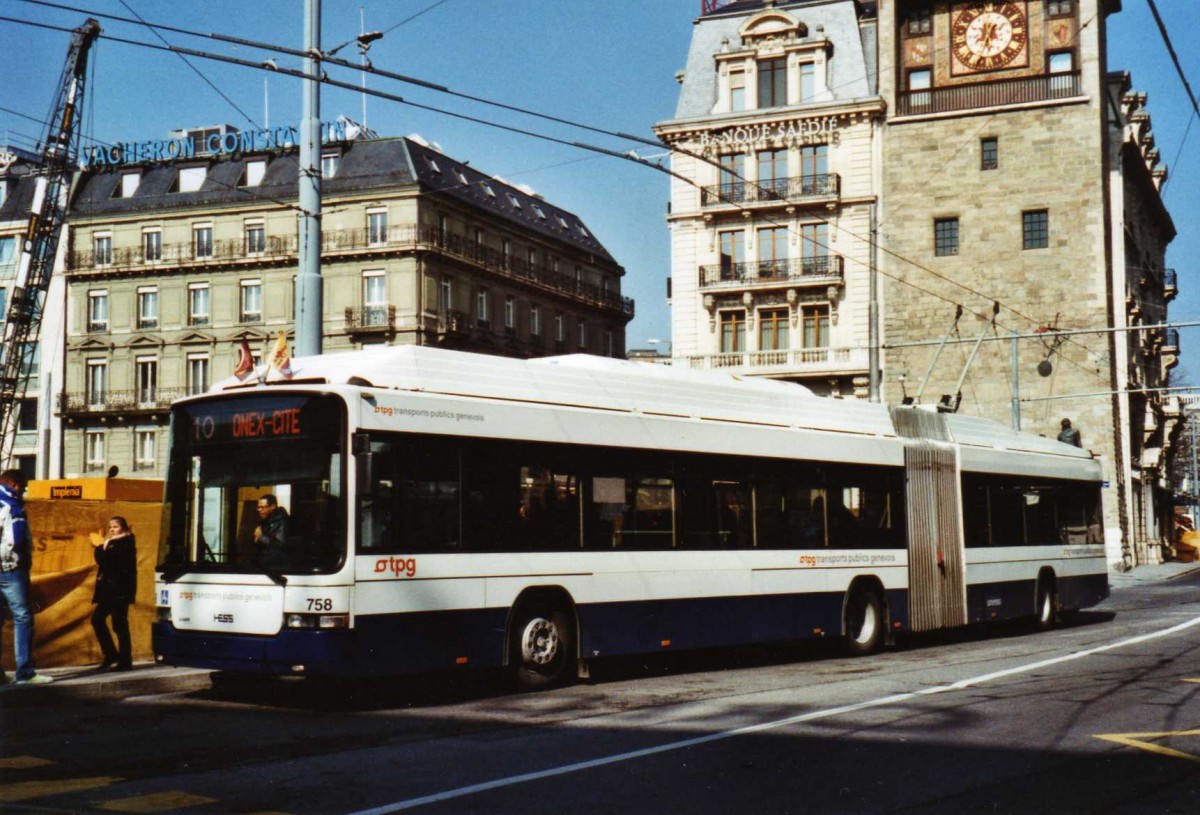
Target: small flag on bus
[[245, 363], [279, 359]]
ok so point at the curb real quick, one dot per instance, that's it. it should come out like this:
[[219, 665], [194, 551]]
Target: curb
[[85, 684]]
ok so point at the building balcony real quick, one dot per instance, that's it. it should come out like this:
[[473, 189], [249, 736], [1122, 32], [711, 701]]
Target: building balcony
[[762, 273], [1020, 91], [110, 403], [345, 243], [376, 319], [801, 189], [790, 362]]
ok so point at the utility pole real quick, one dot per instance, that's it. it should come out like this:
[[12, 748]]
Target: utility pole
[[309, 310], [873, 308]]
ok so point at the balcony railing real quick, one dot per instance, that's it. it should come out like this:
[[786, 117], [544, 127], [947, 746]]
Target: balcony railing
[[787, 270], [378, 319], [1170, 284], [406, 237], [134, 401], [791, 361], [990, 94], [782, 190]]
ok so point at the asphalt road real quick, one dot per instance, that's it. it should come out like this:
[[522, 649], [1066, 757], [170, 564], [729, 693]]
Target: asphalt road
[[1098, 716]]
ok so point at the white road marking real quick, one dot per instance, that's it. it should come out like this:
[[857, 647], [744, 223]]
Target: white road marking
[[566, 769]]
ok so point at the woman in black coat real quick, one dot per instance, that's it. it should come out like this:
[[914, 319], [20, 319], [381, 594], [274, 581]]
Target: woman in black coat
[[116, 585]]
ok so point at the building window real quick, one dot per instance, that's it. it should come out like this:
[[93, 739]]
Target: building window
[[250, 310], [920, 21], [8, 255], [256, 169], [1035, 229], [147, 302], [256, 237], [920, 79], [510, 313], [1061, 62], [329, 164], [814, 248], [191, 179], [152, 245], [772, 174], [506, 253], [479, 247], [27, 416], [103, 250], [446, 294], [374, 294], [989, 152], [773, 329], [772, 252], [945, 237], [129, 184], [198, 304], [535, 321], [733, 176], [733, 332], [1059, 8], [93, 450], [772, 83], [815, 320], [147, 380], [808, 82], [97, 315], [609, 347], [559, 332], [97, 382], [733, 253], [144, 448], [202, 241], [482, 307], [737, 90], [581, 339], [197, 373], [531, 259], [377, 227]]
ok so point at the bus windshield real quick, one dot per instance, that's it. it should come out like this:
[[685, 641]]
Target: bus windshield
[[256, 484]]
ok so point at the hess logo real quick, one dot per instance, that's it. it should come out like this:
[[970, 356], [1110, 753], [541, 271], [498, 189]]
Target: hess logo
[[223, 618]]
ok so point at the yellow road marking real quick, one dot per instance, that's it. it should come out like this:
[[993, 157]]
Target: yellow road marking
[[23, 762], [25, 790], [156, 802], [1138, 740]]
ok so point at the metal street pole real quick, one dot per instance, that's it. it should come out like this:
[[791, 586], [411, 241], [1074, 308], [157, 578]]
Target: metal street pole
[[308, 278], [873, 306], [1016, 382]]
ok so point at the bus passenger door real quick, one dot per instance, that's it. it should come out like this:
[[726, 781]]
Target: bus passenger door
[[936, 584]]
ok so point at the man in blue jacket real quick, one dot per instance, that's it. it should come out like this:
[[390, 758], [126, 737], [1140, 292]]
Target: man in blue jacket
[[15, 559]]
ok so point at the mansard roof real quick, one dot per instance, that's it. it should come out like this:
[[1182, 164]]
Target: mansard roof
[[380, 165]]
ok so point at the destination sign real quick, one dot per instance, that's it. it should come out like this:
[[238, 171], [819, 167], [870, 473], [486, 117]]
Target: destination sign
[[259, 419]]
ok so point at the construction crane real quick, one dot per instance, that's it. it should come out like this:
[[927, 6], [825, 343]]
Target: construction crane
[[58, 152]]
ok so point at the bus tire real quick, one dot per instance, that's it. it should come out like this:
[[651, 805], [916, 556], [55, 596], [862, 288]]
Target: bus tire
[[864, 623], [1046, 612], [543, 647]]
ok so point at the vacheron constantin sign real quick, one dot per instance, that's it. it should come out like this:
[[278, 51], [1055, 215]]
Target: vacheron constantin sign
[[988, 36]]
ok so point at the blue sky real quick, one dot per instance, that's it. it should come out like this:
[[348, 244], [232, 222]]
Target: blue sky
[[608, 63]]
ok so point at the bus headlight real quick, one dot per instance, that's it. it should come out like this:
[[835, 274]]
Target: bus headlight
[[317, 620]]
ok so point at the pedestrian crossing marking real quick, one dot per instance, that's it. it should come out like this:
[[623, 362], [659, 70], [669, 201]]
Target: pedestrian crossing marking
[[1138, 740], [23, 762], [24, 790], [156, 802]]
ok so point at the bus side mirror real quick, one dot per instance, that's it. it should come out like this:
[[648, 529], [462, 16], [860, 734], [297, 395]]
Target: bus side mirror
[[364, 463]]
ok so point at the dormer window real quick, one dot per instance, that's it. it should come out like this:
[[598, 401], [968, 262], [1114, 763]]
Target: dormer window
[[129, 183], [512, 199], [191, 179], [487, 188], [256, 170], [329, 164], [538, 211], [433, 165], [562, 222], [772, 83], [462, 178]]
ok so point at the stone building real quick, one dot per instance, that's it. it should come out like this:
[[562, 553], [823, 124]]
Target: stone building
[[776, 140], [34, 448], [174, 263], [1021, 177]]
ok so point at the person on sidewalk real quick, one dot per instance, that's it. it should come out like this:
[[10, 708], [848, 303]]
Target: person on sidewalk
[[116, 586], [16, 553]]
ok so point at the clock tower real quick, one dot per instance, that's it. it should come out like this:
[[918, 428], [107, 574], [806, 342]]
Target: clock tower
[[1020, 185]]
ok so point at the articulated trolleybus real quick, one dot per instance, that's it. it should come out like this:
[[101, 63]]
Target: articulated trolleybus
[[412, 509]]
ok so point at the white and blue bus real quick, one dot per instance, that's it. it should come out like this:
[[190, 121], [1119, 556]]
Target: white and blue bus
[[449, 509]]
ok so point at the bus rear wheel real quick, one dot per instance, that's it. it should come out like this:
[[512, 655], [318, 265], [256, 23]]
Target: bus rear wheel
[[864, 623], [542, 646]]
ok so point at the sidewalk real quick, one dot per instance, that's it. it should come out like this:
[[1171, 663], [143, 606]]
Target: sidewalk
[[86, 683], [1152, 574]]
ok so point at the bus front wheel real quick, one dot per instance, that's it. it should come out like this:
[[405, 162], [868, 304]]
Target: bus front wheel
[[864, 623], [543, 644]]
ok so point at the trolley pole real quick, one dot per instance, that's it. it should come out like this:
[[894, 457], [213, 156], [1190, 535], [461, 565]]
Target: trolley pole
[[309, 308], [1016, 382]]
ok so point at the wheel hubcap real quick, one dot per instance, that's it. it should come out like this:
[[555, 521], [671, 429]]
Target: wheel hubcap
[[866, 625], [539, 642]]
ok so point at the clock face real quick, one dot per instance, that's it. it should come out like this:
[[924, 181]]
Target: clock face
[[987, 36]]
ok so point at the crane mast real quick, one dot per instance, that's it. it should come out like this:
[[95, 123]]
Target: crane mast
[[39, 243]]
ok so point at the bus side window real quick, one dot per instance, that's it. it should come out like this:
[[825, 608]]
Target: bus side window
[[548, 510], [429, 494]]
